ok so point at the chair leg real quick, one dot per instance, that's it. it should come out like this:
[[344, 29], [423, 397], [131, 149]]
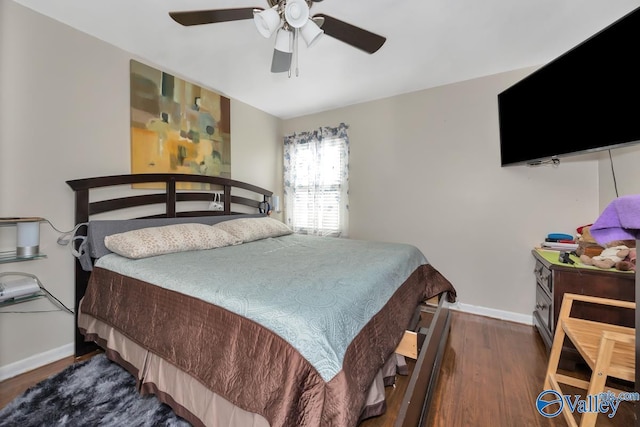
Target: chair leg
[[558, 341], [598, 378]]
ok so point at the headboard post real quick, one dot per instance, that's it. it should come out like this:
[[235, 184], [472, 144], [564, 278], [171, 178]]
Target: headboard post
[[171, 197], [81, 276], [82, 206], [227, 199]]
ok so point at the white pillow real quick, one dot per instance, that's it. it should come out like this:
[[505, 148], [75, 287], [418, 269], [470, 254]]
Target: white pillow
[[250, 229], [151, 241]]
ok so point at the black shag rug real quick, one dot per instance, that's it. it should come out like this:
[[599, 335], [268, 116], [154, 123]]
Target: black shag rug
[[96, 392]]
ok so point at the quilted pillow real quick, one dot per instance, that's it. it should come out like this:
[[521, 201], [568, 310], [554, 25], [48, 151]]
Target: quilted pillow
[[151, 241], [250, 229]]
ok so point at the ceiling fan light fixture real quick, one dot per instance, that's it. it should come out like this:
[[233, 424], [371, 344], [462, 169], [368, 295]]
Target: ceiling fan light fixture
[[311, 33], [267, 21], [296, 13]]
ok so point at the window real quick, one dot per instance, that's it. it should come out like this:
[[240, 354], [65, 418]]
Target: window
[[316, 181]]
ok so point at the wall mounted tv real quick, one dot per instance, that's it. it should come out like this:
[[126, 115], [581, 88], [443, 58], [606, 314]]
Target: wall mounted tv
[[586, 100]]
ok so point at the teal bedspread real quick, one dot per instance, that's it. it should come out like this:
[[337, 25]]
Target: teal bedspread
[[315, 292]]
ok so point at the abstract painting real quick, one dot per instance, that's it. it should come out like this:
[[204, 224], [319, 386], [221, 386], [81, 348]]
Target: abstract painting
[[177, 126]]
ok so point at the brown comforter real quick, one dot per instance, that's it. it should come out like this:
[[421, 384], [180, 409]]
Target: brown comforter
[[248, 364]]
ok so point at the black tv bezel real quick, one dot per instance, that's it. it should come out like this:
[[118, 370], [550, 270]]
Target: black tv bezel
[[543, 96]]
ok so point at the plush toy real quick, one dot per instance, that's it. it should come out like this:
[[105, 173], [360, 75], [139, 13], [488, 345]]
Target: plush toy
[[585, 234], [617, 254], [587, 245], [629, 263]]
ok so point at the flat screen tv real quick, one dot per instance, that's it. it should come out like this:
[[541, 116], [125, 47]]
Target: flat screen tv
[[586, 100]]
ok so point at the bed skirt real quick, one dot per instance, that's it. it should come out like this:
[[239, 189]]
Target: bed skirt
[[188, 397]]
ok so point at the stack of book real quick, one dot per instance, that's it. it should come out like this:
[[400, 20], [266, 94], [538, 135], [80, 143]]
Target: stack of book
[[559, 242], [559, 246]]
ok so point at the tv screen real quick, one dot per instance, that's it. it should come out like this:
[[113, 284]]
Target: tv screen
[[586, 100]]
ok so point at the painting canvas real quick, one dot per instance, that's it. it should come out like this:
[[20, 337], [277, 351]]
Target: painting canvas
[[177, 126]]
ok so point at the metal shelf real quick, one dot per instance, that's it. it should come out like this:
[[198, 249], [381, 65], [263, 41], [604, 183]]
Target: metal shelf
[[6, 221], [21, 299], [12, 256]]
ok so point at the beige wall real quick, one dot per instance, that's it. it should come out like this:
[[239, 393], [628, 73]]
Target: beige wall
[[425, 169], [619, 174], [64, 114]]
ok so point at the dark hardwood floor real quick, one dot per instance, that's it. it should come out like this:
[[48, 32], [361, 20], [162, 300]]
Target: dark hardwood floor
[[13, 387], [491, 375]]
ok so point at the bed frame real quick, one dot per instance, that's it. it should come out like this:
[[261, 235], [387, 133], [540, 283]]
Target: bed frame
[[429, 340]]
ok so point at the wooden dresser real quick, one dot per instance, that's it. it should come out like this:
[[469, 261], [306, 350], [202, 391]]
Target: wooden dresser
[[554, 278]]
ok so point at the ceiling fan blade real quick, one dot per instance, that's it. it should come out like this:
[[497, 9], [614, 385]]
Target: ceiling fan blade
[[281, 61], [350, 34], [198, 17]]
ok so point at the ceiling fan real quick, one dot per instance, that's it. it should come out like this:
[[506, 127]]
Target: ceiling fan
[[289, 20]]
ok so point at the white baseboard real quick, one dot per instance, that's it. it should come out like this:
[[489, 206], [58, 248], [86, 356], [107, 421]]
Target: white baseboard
[[35, 361], [492, 312]]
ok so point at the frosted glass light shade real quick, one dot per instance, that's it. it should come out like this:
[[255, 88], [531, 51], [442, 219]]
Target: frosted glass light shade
[[311, 33], [267, 21], [283, 41], [296, 12], [28, 241]]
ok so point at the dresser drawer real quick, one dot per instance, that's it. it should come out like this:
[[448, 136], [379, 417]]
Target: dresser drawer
[[543, 277], [544, 309]]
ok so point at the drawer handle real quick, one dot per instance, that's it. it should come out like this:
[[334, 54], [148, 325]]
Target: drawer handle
[[540, 306]]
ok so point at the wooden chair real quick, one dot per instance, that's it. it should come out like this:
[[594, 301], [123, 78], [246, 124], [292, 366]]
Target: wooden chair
[[608, 349]]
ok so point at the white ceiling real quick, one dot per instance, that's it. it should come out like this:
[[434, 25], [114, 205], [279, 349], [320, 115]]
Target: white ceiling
[[429, 43]]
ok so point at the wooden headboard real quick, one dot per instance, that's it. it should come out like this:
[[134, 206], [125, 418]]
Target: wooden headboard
[[170, 198]]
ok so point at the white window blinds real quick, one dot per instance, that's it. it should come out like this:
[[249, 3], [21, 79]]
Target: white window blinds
[[316, 183]]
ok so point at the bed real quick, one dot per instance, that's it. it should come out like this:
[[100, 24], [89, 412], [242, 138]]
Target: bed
[[242, 322]]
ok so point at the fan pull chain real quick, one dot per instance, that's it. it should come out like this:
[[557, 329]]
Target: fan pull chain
[[295, 49], [292, 49]]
